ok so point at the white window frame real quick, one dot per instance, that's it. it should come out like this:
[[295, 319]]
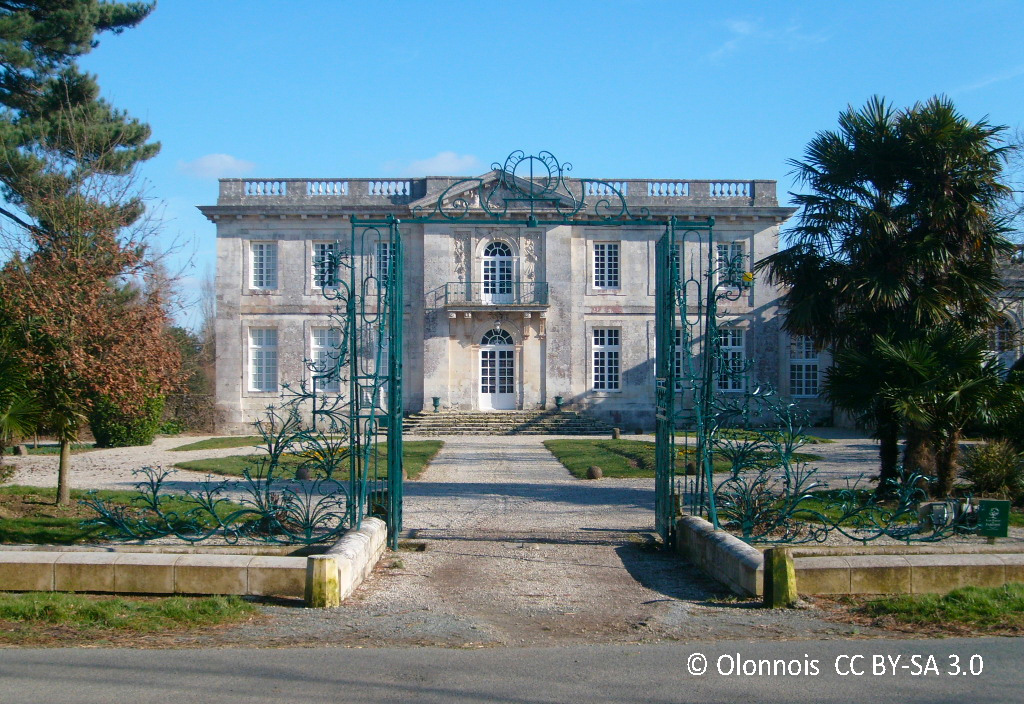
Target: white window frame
[[606, 355], [263, 265], [804, 367], [607, 265], [263, 360], [732, 348], [677, 361], [323, 276], [385, 264], [324, 347], [726, 252]]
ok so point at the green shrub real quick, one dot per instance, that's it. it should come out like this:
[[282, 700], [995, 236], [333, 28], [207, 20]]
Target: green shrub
[[995, 468], [113, 428]]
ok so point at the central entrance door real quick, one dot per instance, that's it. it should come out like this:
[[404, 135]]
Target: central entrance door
[[497, 371], [497, 273]]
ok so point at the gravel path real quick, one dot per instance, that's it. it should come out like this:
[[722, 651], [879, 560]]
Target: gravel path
[[518, 552]]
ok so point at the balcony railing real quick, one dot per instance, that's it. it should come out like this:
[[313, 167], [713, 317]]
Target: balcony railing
[[496, 293]]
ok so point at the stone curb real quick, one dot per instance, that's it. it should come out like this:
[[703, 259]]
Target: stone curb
[[151, 573], [881, 569], [357, 553], [721, 555]]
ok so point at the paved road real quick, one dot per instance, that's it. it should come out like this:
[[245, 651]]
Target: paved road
[[594, 674]]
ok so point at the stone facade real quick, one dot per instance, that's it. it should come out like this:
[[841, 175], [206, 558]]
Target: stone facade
[[496, 317]]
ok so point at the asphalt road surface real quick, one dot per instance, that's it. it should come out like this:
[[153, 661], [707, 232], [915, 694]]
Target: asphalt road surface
[[794, 671]]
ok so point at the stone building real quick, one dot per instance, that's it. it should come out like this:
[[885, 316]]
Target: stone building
[[497, 317]]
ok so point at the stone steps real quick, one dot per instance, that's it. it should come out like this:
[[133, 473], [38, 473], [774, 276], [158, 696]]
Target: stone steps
[[504, 423]]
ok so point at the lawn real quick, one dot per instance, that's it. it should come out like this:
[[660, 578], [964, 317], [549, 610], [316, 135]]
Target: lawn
[[29, 514], [44, 618], [415, 456], [54, 448], [624, 458], [221, 443], [739, 434], [999, 608]]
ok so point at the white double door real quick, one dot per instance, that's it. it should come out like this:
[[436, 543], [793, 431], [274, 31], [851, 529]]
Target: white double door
[[497, 378], [497, 279]]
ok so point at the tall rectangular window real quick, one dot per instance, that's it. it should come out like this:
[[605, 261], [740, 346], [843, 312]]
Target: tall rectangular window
[[324, 350], [263, 359], [678, 361], [732, 262], [385, 262], [325, 272], [606, 349], [264, 265], [803, 366], [606, 265], [733, 359]]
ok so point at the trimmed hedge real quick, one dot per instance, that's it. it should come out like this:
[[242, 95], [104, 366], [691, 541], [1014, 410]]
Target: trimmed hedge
[[112, 428]]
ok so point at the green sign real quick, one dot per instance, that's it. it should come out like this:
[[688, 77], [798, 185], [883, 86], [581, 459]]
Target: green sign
[[993, 518]]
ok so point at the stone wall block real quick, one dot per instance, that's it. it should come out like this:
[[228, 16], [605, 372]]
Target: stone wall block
[[84, 572], [277, 576], [27, 571], [212, 574], [879, 574], [142, 573]]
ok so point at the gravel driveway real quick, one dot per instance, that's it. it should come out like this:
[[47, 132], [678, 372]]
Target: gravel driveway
[[515, 551]]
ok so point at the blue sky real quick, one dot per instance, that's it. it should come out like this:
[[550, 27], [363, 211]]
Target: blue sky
[[322, 88]]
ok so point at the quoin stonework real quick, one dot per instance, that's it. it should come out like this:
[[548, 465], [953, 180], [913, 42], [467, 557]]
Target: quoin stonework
[[497, 317]]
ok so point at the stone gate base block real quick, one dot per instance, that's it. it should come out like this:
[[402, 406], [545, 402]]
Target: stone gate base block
[[822, 575]]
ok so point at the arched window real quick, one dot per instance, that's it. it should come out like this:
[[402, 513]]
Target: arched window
[[496, 337], [1001, 336], [498, 249]]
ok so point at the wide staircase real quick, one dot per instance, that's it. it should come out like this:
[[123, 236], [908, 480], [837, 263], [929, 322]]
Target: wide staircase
[[504, 423]]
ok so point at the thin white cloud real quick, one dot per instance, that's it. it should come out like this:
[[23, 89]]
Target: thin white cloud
[[995, 78], [444, 164], [743, 32], [216, 166]]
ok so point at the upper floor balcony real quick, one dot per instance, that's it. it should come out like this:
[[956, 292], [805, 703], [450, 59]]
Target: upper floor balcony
[[496, 295]]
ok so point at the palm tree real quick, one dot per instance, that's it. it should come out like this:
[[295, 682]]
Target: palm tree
[[896, 236]]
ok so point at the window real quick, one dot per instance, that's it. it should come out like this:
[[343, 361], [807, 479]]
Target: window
[[732, 263], [803, 366], [385, 262], [606, 359], [324, 350], [264, 265], [678, 361], [263, 359], [733, 362], [1000, 337], [606, 265], [325, 270]]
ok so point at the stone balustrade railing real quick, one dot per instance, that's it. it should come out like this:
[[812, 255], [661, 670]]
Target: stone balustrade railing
[[368, 191]]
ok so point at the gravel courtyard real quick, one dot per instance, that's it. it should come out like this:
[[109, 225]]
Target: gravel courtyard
[[505, 548]]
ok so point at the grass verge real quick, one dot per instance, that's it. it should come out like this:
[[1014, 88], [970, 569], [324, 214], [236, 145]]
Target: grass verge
[[976, 608], [43, 618], [29, 514], [623, 459], [54, 449], [416, 454], [220, 443]]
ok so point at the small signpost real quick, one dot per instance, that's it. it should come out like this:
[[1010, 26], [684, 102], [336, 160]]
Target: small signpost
[[993, 519]]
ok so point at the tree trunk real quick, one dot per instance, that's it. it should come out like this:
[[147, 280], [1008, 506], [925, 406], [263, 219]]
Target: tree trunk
[[64, 474], [919, 455], [888, 434], [946, 464]]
